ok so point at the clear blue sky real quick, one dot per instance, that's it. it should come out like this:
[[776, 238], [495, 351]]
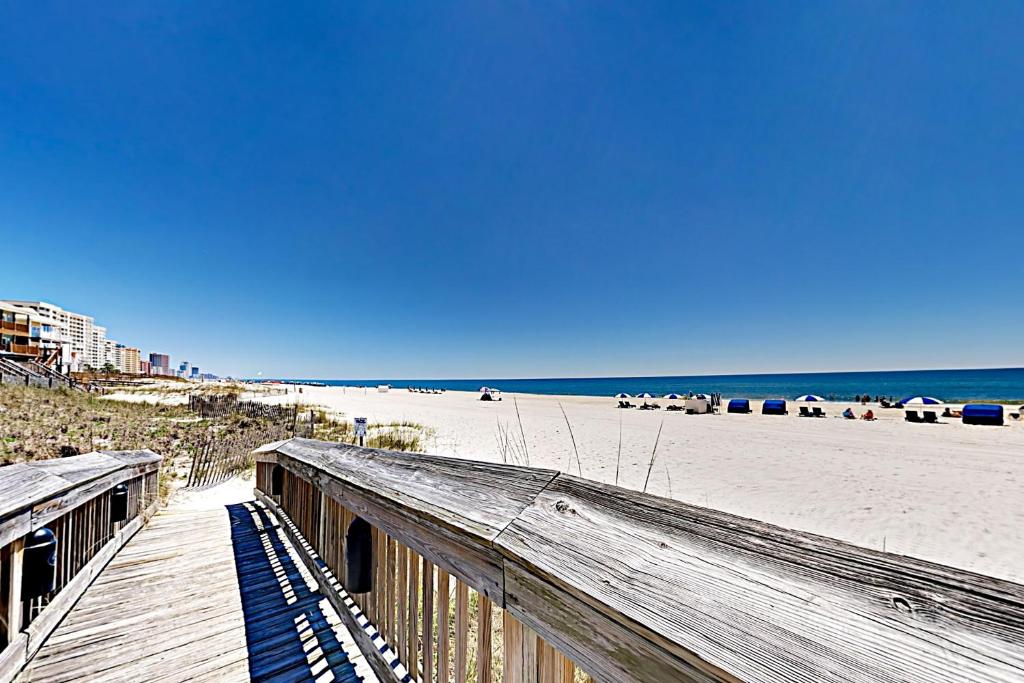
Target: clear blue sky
[[521, 189]]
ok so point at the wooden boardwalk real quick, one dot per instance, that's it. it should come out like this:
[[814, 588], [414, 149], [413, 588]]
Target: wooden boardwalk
[[208, 591]]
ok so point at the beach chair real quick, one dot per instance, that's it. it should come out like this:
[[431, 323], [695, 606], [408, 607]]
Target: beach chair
[[931, 418], [673, 408], [805, 411], [912, 416], [739, 405], [817, 412]]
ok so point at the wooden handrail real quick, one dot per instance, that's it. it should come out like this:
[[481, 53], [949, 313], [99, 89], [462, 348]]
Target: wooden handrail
[[71, 497], [637, 588]]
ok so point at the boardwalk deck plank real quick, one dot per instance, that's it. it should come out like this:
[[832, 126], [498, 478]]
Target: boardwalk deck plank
[[206, 592]]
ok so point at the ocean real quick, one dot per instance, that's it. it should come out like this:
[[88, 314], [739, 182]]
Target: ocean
[[954, 386]]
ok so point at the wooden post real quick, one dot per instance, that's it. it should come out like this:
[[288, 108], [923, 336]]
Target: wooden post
[[520, 664], [443, 605], [461, 629], [13, 597], [412, 637], [483, 639], [428, 621]]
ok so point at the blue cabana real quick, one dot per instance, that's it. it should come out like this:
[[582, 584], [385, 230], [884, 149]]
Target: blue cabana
[[774, 406], [983, 414], [739, 405]]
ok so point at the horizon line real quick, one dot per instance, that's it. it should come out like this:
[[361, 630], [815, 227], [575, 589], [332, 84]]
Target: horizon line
[[604, 377]]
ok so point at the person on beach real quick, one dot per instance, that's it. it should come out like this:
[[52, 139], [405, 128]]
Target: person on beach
[[848, 414], [869, 416]]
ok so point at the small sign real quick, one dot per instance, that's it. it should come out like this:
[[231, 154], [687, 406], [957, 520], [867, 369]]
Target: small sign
[[360, 423]]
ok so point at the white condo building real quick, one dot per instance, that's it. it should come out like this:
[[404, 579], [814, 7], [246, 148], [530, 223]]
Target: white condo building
[[84, 340]]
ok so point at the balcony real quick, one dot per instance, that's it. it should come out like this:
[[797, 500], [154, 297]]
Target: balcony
[[9, 327], [20, 349]]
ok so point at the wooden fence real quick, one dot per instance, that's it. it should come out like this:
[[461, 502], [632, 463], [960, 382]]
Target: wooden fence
[[488, 572], [220, 457], [228, 404], [72, 498]]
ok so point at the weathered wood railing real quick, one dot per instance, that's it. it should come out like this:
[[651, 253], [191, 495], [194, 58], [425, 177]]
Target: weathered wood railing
[[625, 586], [72, 497]]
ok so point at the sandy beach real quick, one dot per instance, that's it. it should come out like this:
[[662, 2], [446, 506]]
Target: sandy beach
[[948, 493]]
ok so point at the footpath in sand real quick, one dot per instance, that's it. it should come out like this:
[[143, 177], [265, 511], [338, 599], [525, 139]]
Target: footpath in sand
[[947, 493]]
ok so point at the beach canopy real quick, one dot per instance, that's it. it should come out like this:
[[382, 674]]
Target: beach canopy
[[673, 397], [808, 397], [644, 395], [920, 401], [622, 395]]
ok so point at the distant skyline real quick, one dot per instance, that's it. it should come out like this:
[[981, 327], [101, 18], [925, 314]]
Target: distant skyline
[[463, 190]]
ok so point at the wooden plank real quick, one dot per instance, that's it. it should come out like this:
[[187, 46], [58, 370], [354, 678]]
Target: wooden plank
[[483, 640], [461, 630], [15, 526], [443, 635], [674, 588], [638, 588], [451, 521], [412, 641], [12, 601], [428, 622], [520, 651], [402, 589]]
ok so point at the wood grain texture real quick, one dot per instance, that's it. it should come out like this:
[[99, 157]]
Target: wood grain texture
[[710, 596], [448, 511], [443, 632], [428, 622], [636, 588], [461, 630], [483, 640]]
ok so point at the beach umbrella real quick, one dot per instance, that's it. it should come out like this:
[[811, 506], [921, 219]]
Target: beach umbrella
[[809, 397], [622, 395], [920, 401], [673, 397], [485, 390], [644, 395], [703, 396]]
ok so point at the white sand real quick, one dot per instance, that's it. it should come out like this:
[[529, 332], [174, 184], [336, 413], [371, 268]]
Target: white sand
[[948, 493]]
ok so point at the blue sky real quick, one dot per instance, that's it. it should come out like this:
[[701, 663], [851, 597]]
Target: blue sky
[[521, 189]]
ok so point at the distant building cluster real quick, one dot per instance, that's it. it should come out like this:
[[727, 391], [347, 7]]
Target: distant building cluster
[[72, 342]]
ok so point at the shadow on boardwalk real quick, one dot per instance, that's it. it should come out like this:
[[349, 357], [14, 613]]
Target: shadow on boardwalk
[[288, 637]]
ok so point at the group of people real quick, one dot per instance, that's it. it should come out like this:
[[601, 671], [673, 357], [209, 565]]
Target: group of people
[[878, 399], [869, 415]]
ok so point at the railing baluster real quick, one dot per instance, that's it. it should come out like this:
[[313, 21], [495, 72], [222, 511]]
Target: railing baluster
[[443, 611], [461, 629], [428, 621], [483, 639]]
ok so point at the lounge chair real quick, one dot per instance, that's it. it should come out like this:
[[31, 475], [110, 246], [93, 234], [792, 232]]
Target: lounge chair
[[912, 416], [805, 411], [673, 408], [818, 412], [931, 418]]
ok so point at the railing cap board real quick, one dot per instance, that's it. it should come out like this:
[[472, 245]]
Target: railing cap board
[[26, 486], [640, 588], [477, 498]]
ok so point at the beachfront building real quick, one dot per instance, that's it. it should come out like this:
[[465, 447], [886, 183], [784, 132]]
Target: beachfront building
[[126, 359], [184, 368], [145, 367], [159, 364], [64, 336]]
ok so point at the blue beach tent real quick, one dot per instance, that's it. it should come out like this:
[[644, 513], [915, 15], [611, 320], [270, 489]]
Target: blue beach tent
[[774, 406], [983, 414], [739, 405]]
